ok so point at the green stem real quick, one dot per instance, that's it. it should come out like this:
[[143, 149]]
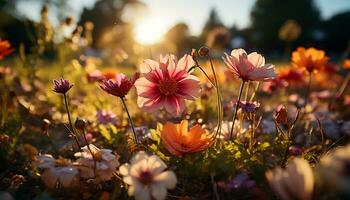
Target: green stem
[[218, 131], [70, 121], [205, 74], [237, 104], [130, 120]]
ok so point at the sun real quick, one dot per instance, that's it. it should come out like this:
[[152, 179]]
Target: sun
[[149, 31]]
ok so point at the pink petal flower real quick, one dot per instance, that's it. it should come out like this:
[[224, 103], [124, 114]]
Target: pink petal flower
[[167, 84], [250, 67]]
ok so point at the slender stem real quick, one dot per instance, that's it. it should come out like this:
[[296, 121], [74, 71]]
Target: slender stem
[[206, 75], [70, 121], [130, 120], [247, 92], [93, 156], [237, 104], [218, 131], [255, 90]]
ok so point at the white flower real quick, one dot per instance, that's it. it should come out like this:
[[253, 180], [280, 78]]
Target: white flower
[[238, 130], [333, 169], [146, 177], [100, 165], [60, 170], [296, 181]]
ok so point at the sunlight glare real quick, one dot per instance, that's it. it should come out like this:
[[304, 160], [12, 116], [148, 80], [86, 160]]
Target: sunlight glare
[[149, 31]]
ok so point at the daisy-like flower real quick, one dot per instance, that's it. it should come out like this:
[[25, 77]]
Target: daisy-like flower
[[249, 107], [178, 140], [296, 181], [5, 48], [59, 171], [310, 59], [100, 165], [167, 84], [249, 67], [146, 177], [121, 86], [61, 86]]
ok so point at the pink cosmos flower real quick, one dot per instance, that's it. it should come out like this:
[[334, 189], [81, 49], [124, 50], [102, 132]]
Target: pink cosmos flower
[[121, 86], [249, 67], [167, 84]]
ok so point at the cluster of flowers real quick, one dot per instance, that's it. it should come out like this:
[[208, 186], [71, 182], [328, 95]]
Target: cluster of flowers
[[167, 84]]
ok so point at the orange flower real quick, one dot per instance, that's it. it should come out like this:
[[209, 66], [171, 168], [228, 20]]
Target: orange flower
[[5, 48], [178, 140], [310, 59], [346, 64]]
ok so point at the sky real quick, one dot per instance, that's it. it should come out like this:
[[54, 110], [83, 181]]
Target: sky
[[163, 14]]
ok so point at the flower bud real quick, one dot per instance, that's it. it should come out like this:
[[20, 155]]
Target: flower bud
[[281, 115], [204, 51], [194, 54], [45, 126], [80, 123]]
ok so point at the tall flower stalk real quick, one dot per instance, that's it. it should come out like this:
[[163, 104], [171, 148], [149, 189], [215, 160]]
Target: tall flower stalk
[[247, 67], [204, 51], [120, 88], [62, 86], [130, 120], [236, 110]]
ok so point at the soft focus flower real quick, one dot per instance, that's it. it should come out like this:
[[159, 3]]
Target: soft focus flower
[[334, 169], [167, 84], [281, 116], [121, 86], [95, 75], [310, 59], [250, 67], [248, 107], [346, 64], [61, 86], [100, 165], [146, 177], [5, 48], [57, 171], [242, 180], [105, 117], [347, 100], [296, 181], [238, 130], [178, 140]]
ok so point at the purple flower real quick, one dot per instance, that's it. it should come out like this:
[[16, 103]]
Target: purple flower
[[61, 86], [248, 107], [105, 117], [242, 180], [142, 133], [121, 86]]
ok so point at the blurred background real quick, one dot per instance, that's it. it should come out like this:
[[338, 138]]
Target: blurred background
[[144, 28]]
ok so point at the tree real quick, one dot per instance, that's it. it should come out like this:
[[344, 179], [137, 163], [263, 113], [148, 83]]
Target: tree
[[213, 21], [106, 15], [337, 31], [269, 15]]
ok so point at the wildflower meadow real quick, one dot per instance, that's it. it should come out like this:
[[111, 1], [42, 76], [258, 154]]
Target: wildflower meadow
[[94, 106]]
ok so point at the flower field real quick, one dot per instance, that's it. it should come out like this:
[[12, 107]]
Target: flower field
[[202, 123]]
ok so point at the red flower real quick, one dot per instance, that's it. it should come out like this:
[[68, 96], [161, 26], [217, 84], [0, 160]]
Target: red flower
[[5, 48], [121, 86]]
